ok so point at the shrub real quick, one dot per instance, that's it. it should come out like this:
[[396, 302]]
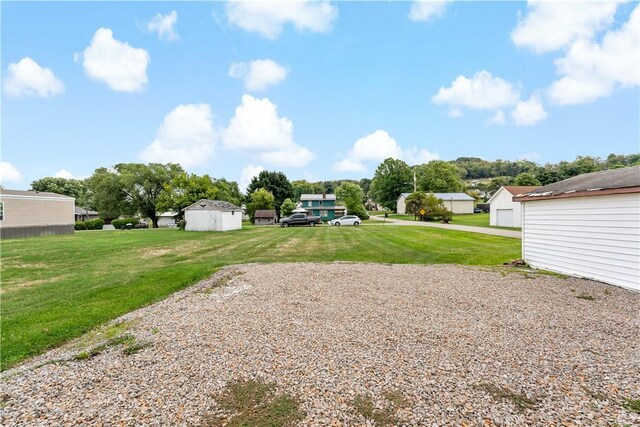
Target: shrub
[[94, 224], [182, 224], [444, 214], [359, 211], [118, 223], [80, 225]]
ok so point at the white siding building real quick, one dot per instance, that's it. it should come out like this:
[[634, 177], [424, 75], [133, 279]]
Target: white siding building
[[458, 203], [503, 211], [586, 226], [212, 215]]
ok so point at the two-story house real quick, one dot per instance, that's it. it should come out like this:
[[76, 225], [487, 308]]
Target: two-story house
[[322, 205]]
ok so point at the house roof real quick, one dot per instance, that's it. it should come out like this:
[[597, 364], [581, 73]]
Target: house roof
[[447, 196], [21, 193], [212, 205], [167, 214], [81, 211], [267, 213], [514, 190], [614, 181], [317, 197]]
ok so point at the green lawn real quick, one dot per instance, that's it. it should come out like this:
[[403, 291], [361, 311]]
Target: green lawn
[[476, 220], [57, 288]]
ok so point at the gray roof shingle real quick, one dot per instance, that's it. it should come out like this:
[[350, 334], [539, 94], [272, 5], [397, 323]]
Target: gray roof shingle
[[212, 205]]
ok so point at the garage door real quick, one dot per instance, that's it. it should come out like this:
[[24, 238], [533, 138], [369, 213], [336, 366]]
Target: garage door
[[505, 217]]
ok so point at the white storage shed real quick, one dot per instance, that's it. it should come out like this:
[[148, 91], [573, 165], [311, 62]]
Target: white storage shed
[[586, 226], [503, 211], [458, 203], [212, 215]]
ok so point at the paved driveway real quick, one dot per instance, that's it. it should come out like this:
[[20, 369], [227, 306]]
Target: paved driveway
[[482, 230]]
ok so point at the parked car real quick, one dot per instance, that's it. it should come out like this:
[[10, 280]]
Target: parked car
[[346, 220], [300, 219]]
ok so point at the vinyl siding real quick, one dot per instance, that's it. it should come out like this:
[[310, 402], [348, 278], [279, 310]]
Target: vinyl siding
[[596, 237], [21, 211], [504, 200]]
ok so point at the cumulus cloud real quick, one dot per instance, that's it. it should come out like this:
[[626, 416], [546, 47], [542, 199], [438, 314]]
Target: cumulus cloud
[[483, 91], [186, 136], [116, 63], [498, 118], [376, 147], [591, 70], [529, 112], [63, 173], [259, 74], [164, 25], [256, 128], [247, 174], [28, 78], [426, 10], [552, 25], [269, 17], [9, 173]]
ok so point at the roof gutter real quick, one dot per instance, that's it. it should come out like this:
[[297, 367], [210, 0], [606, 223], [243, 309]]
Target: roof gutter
[[529, 197]]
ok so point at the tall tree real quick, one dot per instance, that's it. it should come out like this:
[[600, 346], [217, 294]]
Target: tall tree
[[301, 187], [274, 182], [260, 199], [69, 187], [108, 195], [392, 178], [287, 207], [526, 178], [351, 194], [439, 176]]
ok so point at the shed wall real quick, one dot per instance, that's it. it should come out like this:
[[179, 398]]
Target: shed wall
[[37, 211], [504, 200], [596, 237]]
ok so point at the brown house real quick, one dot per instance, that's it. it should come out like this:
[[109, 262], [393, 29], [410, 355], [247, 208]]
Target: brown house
[[265, 217], [33, 213]]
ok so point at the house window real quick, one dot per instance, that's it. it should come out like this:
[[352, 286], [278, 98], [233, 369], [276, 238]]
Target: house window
[[1, 211], [324, 213]]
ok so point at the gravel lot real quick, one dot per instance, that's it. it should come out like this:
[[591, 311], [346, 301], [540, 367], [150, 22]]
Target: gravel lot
[[463, 346]]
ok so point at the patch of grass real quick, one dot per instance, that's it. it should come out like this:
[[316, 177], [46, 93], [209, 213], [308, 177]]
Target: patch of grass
[[222, 281], [586, 297], [364, 406], [396, 398], [96, 278], [632, 405], [255, 403], [474, 220], [127, 340], [521, 401]]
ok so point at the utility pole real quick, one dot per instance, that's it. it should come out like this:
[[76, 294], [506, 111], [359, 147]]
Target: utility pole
[[415, 185]]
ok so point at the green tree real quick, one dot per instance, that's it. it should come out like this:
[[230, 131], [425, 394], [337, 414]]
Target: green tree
[[69, 187], [439, 176], [287, 207], [352, 195], [526, 178], [274, 182], [497, 182], [260, 199], [108, 195], [301, 187], [416, 202], [392, 178]]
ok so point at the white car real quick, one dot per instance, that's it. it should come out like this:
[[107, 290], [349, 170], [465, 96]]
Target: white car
[[346, 220]]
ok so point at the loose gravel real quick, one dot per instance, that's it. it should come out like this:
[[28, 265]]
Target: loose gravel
[[455, 345]]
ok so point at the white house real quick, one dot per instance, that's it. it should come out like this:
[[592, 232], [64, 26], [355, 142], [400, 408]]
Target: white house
[[458, 203], [212, 215], [35, 213], [503, 211], [586, 226]]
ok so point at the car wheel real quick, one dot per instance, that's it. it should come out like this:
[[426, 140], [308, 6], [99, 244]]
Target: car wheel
[[356, 223], [286, 224], [312, 224], [337, 224]]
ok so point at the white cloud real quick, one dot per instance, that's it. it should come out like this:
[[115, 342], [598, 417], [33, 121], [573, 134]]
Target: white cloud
[[63, 173], [247, 173], [186, 136], [256, 128], [259, 74], [591, 70], [551, 25], [481, 92], [164, 25], [529, 112], [498, 119], [9, 173], [425, 10], [269, 17], [376, 147], [28, 78], [122, 67]]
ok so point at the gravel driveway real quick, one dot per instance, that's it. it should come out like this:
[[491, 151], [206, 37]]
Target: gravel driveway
[[460, 345]]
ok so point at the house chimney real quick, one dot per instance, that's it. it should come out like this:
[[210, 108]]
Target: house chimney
[[324, 195]]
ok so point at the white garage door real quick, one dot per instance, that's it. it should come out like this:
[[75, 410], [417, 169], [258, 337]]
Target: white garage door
[[505, 217]]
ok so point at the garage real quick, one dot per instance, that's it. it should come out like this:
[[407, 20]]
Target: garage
[[505, 217]]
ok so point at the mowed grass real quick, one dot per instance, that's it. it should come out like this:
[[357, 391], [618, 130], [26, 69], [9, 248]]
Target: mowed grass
[[476, 220], [57, 288]]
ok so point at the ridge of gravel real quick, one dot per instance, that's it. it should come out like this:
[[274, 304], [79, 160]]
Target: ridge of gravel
[[461, 345]]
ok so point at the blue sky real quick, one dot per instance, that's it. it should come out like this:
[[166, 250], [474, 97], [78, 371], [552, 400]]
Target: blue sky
[[318, 90]]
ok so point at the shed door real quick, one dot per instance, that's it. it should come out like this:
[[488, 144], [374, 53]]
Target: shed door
[[505, 217]]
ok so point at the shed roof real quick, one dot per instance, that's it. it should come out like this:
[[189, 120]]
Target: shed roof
[[520, 189], [614, 181], [22, 193], [82, 211], [212, 205], [448, 196], [317, 197], [266, 213]]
